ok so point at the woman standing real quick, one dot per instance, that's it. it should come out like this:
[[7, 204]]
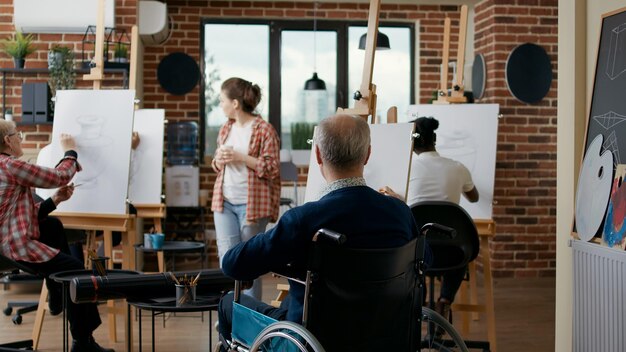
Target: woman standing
[[247, 189]]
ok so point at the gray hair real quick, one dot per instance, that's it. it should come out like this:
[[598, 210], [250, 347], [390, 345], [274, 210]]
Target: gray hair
[[6, 127], [343, 141]]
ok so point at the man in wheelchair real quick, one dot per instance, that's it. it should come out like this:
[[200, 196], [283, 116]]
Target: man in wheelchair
[[348, 206]]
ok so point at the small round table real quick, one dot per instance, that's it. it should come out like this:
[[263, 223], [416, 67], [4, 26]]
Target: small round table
[[159, 306], [170, 246], [65, 278]]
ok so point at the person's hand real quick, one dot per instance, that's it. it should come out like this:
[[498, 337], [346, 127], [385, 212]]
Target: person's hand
[[229, 155], [386, 190], [219, 158], [134, 142], [67, 142], [63, 193]]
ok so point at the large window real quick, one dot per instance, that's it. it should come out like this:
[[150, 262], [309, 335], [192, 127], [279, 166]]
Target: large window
[[280, 56]]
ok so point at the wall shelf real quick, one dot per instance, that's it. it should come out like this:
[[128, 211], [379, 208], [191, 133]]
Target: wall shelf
[[36, 71]]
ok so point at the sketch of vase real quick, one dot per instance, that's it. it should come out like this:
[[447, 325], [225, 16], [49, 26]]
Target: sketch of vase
[[458, 145], [91, 145]]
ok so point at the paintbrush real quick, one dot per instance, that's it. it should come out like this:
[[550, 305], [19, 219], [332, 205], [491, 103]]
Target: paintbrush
[[174, 278], [195, 280]]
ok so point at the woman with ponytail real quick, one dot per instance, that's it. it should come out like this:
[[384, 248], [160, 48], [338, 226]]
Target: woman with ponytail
[[246, 195]]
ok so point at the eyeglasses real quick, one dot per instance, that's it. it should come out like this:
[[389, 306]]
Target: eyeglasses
[[19, 134]]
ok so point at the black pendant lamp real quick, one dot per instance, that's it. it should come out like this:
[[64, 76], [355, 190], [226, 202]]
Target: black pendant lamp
[[382, 41], [314, 83]]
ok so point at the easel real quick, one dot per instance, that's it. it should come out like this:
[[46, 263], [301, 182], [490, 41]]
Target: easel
[[486, 230], [458, 90], [365, 105], [156, 212], [105, 222]]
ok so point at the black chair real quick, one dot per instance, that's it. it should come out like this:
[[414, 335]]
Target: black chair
[[289, 173], [9, 265], [450, 252]]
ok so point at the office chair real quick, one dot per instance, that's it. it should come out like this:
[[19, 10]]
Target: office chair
[[449, 252], [289, 173], [8, 264], [356, 300]]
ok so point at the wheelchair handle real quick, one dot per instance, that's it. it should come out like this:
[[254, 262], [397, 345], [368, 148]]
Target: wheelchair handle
[[438, 229], [328, 235]]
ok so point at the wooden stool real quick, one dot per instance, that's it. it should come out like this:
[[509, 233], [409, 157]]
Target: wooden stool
[[42, 307], [486, 230]]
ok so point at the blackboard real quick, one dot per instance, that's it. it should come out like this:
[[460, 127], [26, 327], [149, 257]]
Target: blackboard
[[607, 117]]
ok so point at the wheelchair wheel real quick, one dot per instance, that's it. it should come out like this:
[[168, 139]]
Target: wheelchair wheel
[[286, 336], [438, 334]]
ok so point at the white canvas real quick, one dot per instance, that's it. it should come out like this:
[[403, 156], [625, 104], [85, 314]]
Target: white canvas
[[101, 122], [468, 133], [388, 165], [146, 164]]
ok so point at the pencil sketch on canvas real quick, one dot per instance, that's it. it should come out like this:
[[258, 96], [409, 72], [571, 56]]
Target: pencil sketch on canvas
[[468, 133], [101, 123]]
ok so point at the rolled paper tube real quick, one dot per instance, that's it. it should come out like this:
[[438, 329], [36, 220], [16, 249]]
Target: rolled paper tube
[[144, 286]]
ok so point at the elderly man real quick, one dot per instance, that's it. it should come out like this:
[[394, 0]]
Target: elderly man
[[368, 219]]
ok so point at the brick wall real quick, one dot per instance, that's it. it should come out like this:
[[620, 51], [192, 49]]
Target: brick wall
[[525, 189], [526, 166], [38, 136]]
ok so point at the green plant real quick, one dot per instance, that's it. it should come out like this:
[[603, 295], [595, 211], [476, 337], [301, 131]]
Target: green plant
[[120, 50], [62, 75], [301, 132], [19, 46]]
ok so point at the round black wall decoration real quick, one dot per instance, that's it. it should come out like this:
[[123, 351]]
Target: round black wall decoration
[[178, 73], [528, 73], [478, 76]]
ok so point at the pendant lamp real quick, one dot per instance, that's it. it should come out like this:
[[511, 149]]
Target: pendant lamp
[[382, 41], [314, 83]]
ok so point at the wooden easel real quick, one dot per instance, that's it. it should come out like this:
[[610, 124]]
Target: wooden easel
[[457, 90], [365, 105], [105, 222]]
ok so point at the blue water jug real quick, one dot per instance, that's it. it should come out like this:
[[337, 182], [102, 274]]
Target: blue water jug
[[182, 143]]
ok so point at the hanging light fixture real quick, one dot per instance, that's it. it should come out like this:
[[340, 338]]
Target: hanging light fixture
[[382, 41], [314, 83]]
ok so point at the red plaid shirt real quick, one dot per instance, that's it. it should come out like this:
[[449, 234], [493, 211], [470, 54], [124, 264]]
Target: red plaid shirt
[[263, 180], [19, 227]]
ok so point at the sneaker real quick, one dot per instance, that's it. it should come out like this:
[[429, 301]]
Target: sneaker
[[89, 345]]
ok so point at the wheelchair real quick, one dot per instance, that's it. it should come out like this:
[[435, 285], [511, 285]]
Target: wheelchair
[[355, 300]]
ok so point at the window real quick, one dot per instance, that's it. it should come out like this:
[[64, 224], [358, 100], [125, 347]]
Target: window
[[279, 57], [247, 58]]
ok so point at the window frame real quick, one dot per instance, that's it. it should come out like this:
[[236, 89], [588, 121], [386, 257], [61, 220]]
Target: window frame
[[343, 97]]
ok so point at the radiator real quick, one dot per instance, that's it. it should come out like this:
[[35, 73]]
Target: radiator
[[599, 298]]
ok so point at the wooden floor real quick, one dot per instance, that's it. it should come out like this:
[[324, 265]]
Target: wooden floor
[[524, 315]]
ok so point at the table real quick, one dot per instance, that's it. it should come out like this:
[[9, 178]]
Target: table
[[158, 306], [64, 278], [171, 246]]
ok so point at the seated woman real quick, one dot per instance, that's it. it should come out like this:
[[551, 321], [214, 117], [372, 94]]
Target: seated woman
[[20, 235], [434, 177]]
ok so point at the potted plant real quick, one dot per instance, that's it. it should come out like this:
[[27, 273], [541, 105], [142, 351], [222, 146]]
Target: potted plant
[[18, 47], [120, 52], [61, 67]]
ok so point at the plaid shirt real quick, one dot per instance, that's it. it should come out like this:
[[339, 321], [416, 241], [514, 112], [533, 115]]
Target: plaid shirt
[[263, 180], [19, 227]]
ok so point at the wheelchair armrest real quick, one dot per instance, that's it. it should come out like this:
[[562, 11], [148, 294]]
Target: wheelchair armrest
[[434, 229], [329, 236]]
